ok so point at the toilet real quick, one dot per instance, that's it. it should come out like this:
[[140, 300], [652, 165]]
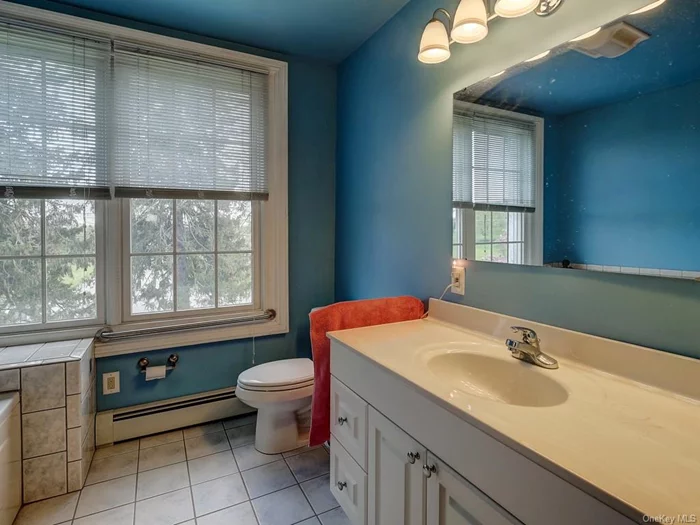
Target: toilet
[[279, 390]]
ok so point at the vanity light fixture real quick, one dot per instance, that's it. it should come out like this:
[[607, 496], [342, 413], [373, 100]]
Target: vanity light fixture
[[471, 24], [586, 35], [651, 6], [515, 8], [435, 44], [539, 57]]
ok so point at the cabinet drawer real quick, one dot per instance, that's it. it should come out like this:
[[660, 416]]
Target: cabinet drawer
[[349, 421], [348, 484]]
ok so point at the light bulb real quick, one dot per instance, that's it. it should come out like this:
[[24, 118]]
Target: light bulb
[[651, 6], [515, 8], [498, 74], [471, 23], [538, 57], [434, 44], [586, 35]]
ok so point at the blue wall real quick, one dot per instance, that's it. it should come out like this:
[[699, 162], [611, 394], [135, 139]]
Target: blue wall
[[627, 182], [312, 103], [394, 198]]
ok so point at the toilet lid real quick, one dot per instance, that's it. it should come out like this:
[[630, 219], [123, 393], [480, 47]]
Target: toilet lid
[[284, 373]]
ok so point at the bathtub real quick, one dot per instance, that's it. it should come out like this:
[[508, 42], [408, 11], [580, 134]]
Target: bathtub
[[10, 458]]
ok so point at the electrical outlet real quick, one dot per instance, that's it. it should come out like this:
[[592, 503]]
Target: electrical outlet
[[458, 280], [110, 383]]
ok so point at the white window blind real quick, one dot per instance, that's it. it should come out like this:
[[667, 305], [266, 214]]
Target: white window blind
[[493, 163], [188, 129], [52, 114]]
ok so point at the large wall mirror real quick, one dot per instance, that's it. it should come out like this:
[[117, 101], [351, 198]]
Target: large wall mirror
[[587, 157]]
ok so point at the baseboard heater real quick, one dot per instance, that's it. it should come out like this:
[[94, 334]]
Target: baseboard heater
[[121, 424]]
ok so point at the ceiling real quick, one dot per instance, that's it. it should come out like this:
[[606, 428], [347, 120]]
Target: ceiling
[[570, 82], [322, 29]]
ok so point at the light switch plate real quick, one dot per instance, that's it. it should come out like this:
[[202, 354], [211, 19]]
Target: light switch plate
[[110, 383], [458, 280]]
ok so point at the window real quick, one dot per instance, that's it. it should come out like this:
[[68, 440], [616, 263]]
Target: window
[[497, 173], [143, 182], [48, 262], [191, 255]]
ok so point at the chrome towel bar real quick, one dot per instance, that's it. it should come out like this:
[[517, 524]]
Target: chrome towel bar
[[107, 335]]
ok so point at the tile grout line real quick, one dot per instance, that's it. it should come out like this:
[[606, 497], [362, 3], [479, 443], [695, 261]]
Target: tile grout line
[[189, 479]]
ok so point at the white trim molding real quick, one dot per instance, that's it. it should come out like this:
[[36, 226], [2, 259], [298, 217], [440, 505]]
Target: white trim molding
[[273, 254]]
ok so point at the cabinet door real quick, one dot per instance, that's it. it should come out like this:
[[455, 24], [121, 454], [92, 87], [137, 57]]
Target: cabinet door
[[452, 500], [396, 487]]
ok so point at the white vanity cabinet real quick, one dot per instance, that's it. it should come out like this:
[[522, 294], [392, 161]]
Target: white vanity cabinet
[[452, 500], [403, 483], [395, 482]]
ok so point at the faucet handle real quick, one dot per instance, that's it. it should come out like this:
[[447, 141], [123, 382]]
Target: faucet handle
[[529, 335]]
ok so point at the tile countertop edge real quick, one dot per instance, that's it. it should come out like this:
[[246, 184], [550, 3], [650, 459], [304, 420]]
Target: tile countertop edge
[[570, 477], [78, 347]]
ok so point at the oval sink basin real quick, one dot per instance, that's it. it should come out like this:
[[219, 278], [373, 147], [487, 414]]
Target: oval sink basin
[[513, 383]]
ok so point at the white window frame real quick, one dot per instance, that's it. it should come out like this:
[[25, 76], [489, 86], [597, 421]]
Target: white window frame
[[534, 222], [273, 235]]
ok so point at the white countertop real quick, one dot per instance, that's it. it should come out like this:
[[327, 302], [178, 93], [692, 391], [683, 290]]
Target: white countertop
[[638, 443]]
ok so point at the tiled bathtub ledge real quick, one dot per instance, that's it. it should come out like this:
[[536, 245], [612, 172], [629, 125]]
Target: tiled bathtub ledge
[[43, 353], [56, 382]]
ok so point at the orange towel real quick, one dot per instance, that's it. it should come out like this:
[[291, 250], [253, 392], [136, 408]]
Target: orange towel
[[342, 316]]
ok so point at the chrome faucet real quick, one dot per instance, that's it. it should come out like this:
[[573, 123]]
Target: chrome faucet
[[529, 349]]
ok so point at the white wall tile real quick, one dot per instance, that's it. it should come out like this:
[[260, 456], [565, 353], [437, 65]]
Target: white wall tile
[[9, 380], [73, 410], [73, 377], [55, 350], [675, 274], [43, 387], [75, 444], [75, 476], [17, 354], [43, 432], [44, 477]]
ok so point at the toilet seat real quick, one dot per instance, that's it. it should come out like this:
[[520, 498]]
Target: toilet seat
[[278, 376]]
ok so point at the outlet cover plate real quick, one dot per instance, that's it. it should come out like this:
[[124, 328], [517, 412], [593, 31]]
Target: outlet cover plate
[[458, 281], [110, 383]]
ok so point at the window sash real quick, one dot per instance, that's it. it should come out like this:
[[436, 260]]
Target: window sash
[[126, 297], [100, 282]]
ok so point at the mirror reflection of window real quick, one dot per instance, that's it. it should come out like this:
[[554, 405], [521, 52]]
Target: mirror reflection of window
[[497, 179]]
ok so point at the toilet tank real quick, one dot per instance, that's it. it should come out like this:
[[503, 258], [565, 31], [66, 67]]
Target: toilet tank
[[10, 458]]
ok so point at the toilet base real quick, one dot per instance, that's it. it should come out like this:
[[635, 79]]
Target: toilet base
[[277, 431]]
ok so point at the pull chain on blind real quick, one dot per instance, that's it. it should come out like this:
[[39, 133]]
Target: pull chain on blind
[[187, 128], [493, 163], [52, 114]]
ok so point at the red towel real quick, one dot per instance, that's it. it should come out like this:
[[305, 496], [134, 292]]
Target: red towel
[[342, 316]]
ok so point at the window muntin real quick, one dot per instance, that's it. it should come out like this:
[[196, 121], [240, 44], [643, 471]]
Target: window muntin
[[186, 256], [49, 262]]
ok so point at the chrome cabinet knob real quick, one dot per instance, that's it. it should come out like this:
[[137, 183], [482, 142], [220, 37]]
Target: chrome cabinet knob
[[342, 421], [341, 485], [413, 457], [429, 470]]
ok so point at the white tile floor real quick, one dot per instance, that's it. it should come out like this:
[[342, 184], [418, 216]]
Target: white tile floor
[[205, 475]]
